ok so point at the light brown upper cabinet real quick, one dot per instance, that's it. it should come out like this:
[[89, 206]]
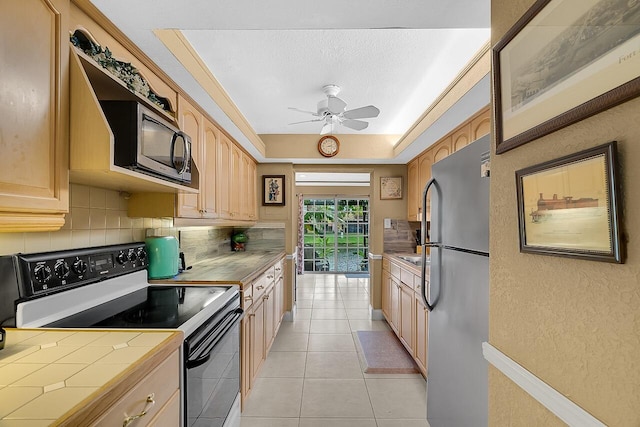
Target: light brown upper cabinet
[[413, 198], [224, 176], [481, 125], [191, 122], [442, 149], [461, 138], [34, 115]]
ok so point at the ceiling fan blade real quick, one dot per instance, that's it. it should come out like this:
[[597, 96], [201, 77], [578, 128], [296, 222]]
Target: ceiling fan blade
[[327, 128], [362, 112], [335, 104], [355, 124], [307, 121], [303, 111]]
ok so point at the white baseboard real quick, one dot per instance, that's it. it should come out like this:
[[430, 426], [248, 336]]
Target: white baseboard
[[554, 401], [375, 313]]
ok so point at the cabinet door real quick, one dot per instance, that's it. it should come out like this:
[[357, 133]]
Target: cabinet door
[[395, 305], [245, 355], [251, 184], [279, 302], [425, 161], [269, 318], [461, 138], [34, 114], [190, 121], [210, 161], [442, 149], [236, 181], [386, 294], [413, 197], [257, 338], [245, 183], [224, 176], [407, 317], [481, 125], [422, 328]]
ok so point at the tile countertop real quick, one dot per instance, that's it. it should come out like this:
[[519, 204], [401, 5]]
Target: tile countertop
[[235, 268], [49, 377], [397, 257]]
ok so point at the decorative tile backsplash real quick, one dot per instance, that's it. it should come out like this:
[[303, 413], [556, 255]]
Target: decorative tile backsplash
[[401, 237], [96, 217]]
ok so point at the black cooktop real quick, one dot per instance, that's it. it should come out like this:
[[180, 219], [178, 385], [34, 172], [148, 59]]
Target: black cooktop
[[165, 307]]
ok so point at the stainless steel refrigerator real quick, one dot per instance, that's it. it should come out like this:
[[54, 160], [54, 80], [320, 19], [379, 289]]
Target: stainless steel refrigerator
[[458, 291]]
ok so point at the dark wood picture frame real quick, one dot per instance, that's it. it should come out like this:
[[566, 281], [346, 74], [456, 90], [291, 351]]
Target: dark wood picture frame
[[273, 190], [578, 225], [550, 72]]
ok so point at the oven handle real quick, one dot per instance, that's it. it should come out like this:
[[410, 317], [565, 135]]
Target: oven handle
[[217, 333]]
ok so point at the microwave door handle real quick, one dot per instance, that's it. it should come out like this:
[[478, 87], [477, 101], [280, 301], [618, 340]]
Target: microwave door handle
[[187, 152]]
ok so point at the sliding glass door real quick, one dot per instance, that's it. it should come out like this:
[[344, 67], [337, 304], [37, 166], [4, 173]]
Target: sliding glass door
[[336, 235]]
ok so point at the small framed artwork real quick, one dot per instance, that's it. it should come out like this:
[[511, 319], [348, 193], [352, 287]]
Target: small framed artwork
[[569, 206], [273, 190], [562, 62], [390, 187]]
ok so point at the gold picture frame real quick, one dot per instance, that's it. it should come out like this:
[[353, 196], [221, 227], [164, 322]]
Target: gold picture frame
[[569, 206], [562, 62], [390, 187]]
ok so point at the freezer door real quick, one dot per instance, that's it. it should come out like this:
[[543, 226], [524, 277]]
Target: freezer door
[[457, 384], [460, 209]]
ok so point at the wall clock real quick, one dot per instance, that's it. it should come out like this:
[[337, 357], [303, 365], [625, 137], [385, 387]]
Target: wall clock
[[328, 146]]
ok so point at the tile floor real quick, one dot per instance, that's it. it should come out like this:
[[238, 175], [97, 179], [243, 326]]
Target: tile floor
[[313, 376]]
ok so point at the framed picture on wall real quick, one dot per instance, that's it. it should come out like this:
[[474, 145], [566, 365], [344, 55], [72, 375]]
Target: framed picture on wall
[[569, 206], [273, 190], [562, 62], [390, 187]]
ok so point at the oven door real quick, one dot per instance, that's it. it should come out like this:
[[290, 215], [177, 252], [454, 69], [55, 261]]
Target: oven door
[[212, 369]]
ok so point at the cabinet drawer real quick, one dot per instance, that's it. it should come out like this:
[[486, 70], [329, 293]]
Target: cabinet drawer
[[162, 382], [169, 414], [277, 269], [269, 274], [247, 296], [407, 277], [259, 286], [395, 270]]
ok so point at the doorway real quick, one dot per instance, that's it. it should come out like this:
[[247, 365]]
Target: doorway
[[336, 234]]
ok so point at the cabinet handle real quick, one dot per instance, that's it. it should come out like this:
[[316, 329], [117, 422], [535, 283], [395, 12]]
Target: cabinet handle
[[260, 287], [269, 277], [265, 297], [248, 297], [149, 404]]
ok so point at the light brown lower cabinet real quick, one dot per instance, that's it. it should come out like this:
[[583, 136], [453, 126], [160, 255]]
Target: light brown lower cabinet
[[162, 386], [403, 308], [263, 302]]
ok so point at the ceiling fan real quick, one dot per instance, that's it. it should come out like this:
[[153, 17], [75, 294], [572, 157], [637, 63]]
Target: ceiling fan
[[331, 111]]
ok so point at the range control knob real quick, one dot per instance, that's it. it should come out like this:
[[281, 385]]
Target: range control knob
[[61, 269], [79, 267], [122, 258], [42, 273], [132, 255], [142, 255]]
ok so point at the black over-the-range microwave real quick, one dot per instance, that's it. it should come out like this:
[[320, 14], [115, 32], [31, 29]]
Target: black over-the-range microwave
[[145, 142]]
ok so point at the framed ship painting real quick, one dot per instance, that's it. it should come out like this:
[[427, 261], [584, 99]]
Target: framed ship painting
[[569, 206], [273, 190]]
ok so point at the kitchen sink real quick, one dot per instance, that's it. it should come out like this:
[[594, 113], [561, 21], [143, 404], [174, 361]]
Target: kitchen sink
[[413, 259]]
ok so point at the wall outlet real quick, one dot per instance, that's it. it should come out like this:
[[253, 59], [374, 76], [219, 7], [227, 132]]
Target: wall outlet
[[387, 223]]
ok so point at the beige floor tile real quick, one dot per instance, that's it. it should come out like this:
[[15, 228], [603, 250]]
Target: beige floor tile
[[402, 423], [336, 326], [265, 402], [284, 364], [328, 313], [299, 326], [339, 365], [354, 296], [398, 398], [324, 398], [331, 342], [333, 422], [290, 342], [368, 325], [327, 297], [358, 313], [356, 304], [303, 313], [268, 422], [304, 303], [328, 304]]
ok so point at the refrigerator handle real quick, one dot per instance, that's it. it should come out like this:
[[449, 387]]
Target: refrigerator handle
[[423, 270]]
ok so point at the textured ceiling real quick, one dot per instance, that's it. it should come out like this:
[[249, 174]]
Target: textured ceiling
[[396, 55]]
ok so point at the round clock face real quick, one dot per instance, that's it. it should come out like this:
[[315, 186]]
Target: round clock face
[[328, 146]]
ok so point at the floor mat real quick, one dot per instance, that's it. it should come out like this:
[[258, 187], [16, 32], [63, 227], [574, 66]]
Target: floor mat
[[384, 354]]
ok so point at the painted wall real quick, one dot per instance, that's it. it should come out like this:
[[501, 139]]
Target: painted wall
[[290, 146], [572, 323]]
